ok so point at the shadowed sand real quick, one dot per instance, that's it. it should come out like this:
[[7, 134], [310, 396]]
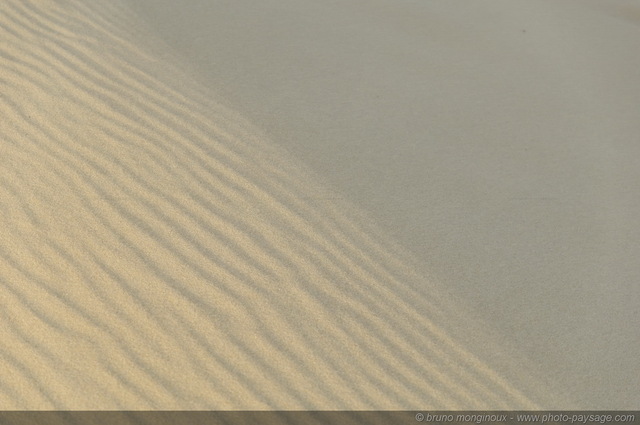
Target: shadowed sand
[[158, 252], [495, 140]]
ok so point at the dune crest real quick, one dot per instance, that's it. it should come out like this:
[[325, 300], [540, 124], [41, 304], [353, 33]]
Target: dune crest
[[157, 252]]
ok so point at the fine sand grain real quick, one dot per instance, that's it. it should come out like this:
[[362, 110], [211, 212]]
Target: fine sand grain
[[159, 252], [496, 140]]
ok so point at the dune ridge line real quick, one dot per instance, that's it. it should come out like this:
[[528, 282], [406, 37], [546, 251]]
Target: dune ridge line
[[155, 252]]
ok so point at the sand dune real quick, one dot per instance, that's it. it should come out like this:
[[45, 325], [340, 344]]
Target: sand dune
[[495, 140], [157, 251]]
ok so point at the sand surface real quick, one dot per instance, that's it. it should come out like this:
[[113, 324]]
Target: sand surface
[[307, 205]]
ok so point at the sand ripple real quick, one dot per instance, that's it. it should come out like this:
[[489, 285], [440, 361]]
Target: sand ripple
[[157, 252]]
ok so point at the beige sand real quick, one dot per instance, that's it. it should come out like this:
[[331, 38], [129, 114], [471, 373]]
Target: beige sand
[[158, 251], [497, 140]]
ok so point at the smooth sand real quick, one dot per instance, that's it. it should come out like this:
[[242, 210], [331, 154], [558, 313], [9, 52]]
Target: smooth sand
[[497, 140], [159, 251]]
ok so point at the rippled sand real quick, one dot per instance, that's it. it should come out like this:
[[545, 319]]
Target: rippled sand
[[158, 251]]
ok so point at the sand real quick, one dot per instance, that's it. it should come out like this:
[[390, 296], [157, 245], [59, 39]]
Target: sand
[[302, 206]]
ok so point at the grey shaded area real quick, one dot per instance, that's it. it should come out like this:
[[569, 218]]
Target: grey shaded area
[[497, 141], [302, 417]]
